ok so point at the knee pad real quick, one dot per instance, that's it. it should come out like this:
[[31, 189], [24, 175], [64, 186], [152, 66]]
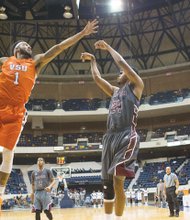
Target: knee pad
[[108, 189]]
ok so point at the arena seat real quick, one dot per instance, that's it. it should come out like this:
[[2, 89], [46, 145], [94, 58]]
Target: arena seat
[[153, 172], [16, 184]]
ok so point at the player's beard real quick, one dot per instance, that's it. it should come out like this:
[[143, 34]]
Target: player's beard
[[25, 54], [122, 80]]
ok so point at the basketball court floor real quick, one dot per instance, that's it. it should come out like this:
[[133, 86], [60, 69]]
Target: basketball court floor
[[131, 213]]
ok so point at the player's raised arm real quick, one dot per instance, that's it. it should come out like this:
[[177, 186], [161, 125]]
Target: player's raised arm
[[102, 83], [43, 59], [124, 66]]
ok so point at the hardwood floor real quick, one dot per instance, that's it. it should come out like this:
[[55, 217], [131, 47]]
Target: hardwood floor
[[131, 213]]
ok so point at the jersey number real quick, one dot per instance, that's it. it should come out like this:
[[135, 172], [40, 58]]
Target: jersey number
[[16, 78]]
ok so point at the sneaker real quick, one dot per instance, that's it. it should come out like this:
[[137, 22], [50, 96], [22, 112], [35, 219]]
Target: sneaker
[[177, 214]]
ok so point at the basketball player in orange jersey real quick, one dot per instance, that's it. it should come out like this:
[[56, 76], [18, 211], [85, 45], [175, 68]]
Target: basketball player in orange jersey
[[16, 82]]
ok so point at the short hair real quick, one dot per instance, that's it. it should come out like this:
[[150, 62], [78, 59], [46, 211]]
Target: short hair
[[14, 45], [41, 158]]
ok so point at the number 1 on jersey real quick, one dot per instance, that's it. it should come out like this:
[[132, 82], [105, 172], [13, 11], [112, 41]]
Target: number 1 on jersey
[[16, 78]]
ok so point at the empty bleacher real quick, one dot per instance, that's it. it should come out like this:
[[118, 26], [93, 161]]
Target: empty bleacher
[[36, 140], [184, 173], [169, 96], [41, 105], [81, 104], [93, 137], [153, 172], [180, 130], [16, 184], [86, 104]]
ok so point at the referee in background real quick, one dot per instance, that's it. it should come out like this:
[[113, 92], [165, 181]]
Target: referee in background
[[171, 184]]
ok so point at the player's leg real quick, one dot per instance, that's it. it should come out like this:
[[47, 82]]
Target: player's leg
[[175, 202], [9, 136], [107, 179], [108, 196], [170, 201], [120, 198], [38, 214], [5, 168], [48, 214], [37, 208], [46, 203]]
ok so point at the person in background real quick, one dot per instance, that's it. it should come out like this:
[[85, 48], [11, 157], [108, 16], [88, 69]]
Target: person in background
[[42, 181], [17, 79], [121, 141], [161, 193], [171, 184]]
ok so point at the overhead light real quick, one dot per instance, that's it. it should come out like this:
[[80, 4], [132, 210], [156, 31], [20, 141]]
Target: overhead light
[[116, 6], [78, 3], [67, 14], [3, 15]]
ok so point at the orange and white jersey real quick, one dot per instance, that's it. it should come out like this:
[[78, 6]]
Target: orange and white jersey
[[16, 81]]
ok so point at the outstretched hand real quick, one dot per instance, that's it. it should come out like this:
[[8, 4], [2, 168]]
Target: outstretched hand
[[101, 44], [91, 27], [87, 56]]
